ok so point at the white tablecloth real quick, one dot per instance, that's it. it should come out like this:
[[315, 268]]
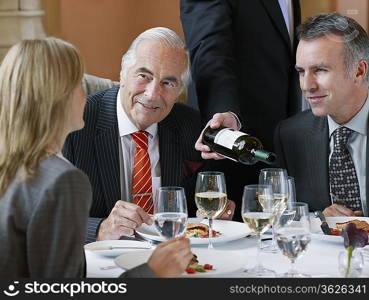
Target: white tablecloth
[[320, 259]]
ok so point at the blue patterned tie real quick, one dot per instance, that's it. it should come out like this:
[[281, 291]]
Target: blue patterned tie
[[342, 174]]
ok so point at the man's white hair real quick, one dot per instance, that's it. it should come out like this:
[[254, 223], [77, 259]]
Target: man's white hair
[[164, 35]]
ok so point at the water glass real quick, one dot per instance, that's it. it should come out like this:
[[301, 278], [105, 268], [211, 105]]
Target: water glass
[[170, 211]]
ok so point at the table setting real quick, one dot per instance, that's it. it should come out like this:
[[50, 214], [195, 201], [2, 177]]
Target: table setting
[[278, 238]]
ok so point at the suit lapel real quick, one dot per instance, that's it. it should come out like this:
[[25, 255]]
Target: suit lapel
[[170, 152], [274, 11], [106, 147], [318, 143]]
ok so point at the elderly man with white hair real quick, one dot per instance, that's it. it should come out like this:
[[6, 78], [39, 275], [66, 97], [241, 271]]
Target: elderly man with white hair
[[137, 137]]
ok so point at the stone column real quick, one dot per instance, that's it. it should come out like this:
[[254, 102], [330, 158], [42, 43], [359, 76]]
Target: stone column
[[19, 20]]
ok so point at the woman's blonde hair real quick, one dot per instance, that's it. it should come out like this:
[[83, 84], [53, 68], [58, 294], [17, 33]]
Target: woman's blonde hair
[[37, 78]]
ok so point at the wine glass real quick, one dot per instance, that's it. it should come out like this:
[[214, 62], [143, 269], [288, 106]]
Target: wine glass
[[293, 238], [258, 213], [170, 211], [210, 197], [288, 215], [277, 178]]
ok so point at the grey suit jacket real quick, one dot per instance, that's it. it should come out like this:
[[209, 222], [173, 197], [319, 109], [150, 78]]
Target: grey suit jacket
[[302, 146], [43, 224]]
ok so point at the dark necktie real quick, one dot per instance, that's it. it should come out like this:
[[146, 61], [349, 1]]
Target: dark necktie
[[342, 174]]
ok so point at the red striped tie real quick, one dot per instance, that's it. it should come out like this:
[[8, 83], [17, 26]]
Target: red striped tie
[[142, 183]]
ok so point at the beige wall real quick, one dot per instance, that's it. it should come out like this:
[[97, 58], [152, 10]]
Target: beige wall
[[313, 7], [356, 9], [103, 29]]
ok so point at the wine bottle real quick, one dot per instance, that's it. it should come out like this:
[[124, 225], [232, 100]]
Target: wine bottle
[[236, 145]]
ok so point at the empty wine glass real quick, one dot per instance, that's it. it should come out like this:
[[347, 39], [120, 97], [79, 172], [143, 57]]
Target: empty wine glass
[[277, 178], [258, 213], [210, 197], [170, 211], [293, 238]]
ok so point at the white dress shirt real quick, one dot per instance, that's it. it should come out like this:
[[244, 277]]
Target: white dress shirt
[[126, 127], [356, 145]]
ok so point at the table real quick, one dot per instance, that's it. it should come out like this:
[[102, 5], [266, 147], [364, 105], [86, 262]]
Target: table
[[320, 259]]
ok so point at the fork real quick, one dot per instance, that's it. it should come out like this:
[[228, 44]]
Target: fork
[[108, 267]]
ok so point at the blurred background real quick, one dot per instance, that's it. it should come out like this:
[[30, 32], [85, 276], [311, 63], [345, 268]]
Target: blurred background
[[103, 29]]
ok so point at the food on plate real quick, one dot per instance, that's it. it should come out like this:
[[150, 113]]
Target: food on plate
[[359, 225], [194, 266], [199, 230]]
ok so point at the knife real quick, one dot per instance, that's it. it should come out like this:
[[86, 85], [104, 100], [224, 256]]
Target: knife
[[324, 226], [96, 248]]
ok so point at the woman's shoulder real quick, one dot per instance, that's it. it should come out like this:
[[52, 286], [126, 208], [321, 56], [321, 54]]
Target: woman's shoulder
[[58, 169]]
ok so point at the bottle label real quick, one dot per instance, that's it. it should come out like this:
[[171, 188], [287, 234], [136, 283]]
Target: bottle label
[[227, 137]]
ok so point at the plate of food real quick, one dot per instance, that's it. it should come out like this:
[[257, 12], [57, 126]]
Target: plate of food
[[197, 231], [114, 248], [336, 224], [205, 263]]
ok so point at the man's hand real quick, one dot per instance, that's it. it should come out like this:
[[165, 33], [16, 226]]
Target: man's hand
[[123, 219], [220, 119], [171, 258], [227, 213], [336, 210]]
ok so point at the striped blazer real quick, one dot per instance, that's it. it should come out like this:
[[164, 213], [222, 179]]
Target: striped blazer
[[95, 150]]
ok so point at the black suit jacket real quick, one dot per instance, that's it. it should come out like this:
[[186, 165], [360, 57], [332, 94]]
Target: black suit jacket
[[95, 150], [242, 60], [302, 146]]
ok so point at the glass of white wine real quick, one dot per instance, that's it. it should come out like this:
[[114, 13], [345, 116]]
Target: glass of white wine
[[293, 238], [258, 213], [277, 179], [288, 215], [170, 211], [210, 197]]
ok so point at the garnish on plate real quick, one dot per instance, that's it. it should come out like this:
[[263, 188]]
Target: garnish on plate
[[194, 266]]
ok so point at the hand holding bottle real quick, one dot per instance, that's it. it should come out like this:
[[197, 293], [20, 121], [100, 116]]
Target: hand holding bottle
[[236, 145], [220, 119]]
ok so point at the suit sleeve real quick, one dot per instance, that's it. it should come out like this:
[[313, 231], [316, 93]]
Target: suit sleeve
[[141, 271], [57, 228], [207, 26]]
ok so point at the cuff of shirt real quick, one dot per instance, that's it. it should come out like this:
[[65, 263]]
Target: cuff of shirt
[[239, 125]]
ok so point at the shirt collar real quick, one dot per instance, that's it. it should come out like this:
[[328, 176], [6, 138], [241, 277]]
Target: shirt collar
[[125, 125], [359, 123]]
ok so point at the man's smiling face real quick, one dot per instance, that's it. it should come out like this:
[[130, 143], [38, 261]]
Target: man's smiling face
[[152, 85]]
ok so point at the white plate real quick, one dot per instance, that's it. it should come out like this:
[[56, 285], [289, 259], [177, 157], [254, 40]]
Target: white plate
[[115, 243], [333, 239], [315, 222], [229, 230], [223, 261]]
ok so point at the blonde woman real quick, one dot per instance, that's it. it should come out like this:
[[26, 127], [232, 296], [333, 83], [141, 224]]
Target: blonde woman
[[45, 200]]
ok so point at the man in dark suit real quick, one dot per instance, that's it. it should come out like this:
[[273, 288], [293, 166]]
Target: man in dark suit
[[242, 55], [154, 73], [326, 148]]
